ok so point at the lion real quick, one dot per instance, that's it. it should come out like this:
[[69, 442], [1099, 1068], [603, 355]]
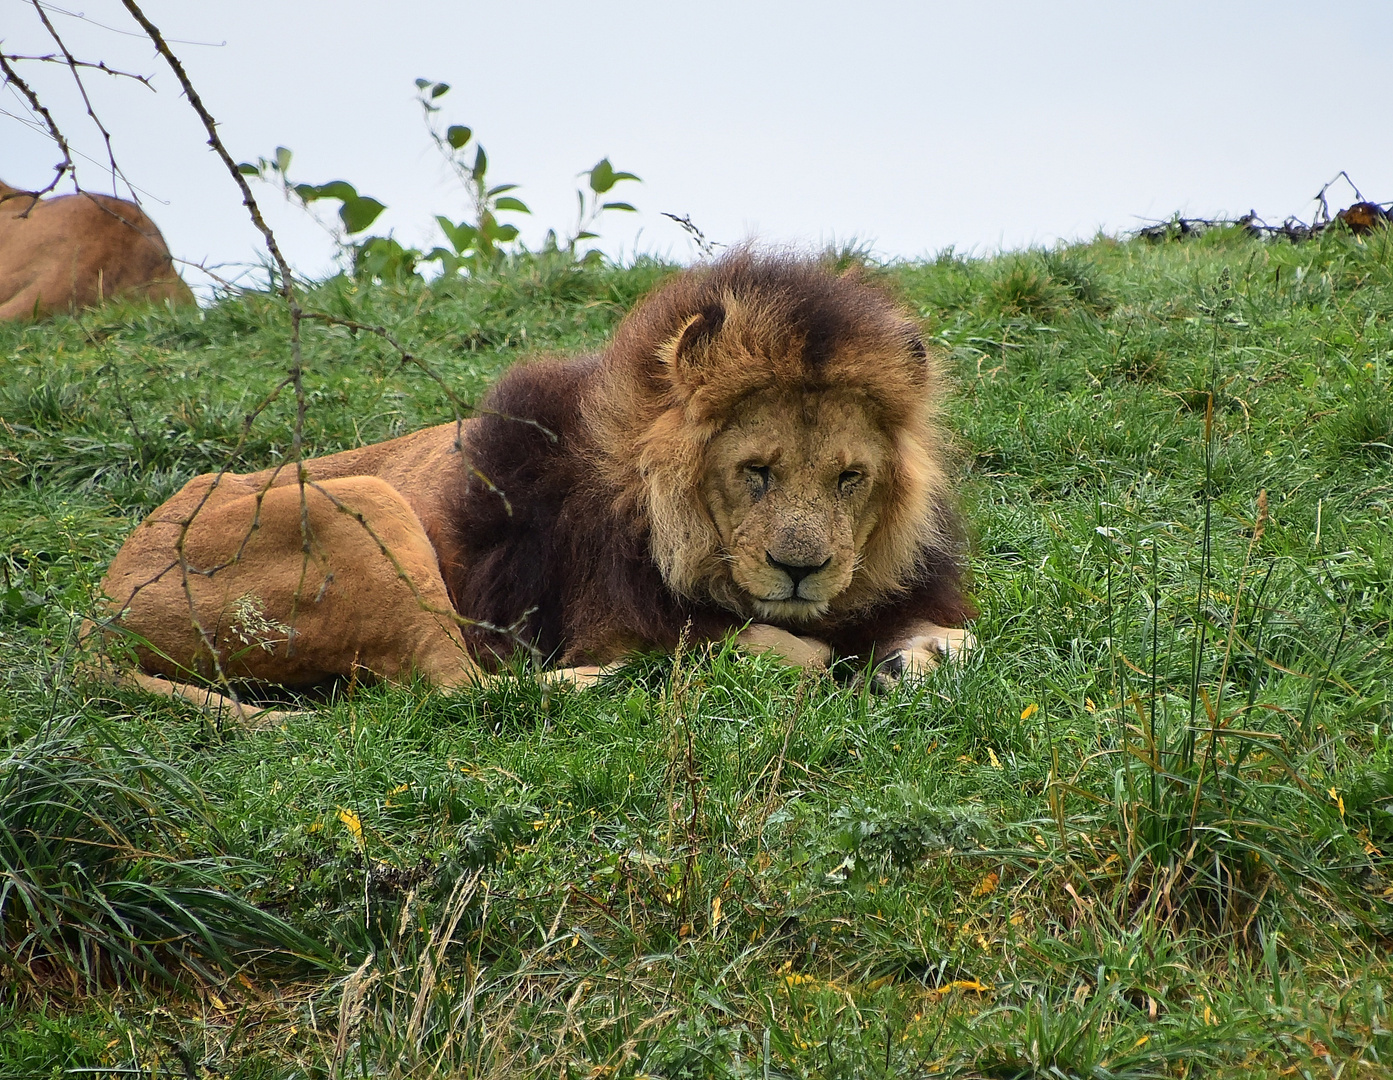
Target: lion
[[78, 251], [757, 452]]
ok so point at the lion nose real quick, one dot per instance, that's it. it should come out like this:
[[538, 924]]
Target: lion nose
[[796, 573]]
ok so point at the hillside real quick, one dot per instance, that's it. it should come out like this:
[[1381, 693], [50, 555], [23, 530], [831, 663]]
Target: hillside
[[1146, 830]]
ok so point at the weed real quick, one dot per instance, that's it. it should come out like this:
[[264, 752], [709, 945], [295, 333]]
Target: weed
[[1025, 287], [477, 243]]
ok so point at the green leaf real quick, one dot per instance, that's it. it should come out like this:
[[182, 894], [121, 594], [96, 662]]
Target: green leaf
[[626, 176], [492, 231], [21, 605], [307, 192], [247, 169], [383, 258], [461, 236], [457, 135], [421, 84], [282, 161], [481, 164], [337, 189], [500, 189], [449, 262], [602, 177], [359, 213], [510, 203], [618, 206], [440, 89], [586, 235]]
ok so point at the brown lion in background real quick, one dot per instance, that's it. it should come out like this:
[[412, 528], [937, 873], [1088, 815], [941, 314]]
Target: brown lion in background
[[757, 452], [77, 251]]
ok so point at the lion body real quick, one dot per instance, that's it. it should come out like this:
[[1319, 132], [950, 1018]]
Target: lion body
[[77, 251], [758, 448]]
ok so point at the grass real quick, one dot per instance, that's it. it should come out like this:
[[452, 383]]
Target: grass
[[1145, 831], [113, 871]]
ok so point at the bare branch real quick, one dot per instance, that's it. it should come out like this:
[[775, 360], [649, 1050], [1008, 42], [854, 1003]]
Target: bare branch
[[72, 66], [211, 126], [287, 283], [54, 58], [66, 165], [287, 287], [461, 406]]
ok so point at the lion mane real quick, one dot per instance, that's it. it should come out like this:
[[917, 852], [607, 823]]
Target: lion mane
[[583, 527]]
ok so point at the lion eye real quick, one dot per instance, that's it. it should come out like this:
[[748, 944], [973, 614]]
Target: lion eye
[[758, 478], [849, 479]]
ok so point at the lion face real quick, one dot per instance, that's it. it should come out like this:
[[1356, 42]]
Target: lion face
[[793, 487], [775, 430]]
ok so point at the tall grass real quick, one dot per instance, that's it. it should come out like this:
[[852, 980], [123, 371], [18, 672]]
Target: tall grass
[[111, 873]]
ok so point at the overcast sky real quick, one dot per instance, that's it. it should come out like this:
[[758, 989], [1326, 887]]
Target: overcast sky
[[911, 126]]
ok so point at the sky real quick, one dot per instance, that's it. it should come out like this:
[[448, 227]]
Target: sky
[[908, 127]]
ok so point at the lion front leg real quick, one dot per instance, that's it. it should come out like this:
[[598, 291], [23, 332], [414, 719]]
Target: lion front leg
[[759, 639], [919, 652], [803, 652]]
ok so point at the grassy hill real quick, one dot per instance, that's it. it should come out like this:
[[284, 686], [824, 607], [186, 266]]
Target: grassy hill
[[1146, 830]]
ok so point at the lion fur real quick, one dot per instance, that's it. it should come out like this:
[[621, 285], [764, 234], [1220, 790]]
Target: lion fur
[[76, 251]]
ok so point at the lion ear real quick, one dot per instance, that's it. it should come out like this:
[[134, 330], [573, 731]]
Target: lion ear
[[683, 348]]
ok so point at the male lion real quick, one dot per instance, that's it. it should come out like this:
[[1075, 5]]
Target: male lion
[[757, 451], [77, 251]]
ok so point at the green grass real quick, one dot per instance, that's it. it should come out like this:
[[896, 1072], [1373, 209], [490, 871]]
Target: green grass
[[1146, 830]]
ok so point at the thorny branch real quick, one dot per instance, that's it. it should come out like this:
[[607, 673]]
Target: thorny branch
[[69, 61], [295, 376], [248, 199], [460, 406], [66, 165], [72, 65], [287, 290]]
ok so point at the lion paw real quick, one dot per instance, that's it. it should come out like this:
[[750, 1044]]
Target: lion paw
[[572, 678], [918, 655]]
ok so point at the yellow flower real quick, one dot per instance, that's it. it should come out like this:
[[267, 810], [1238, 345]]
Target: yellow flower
[[1029, 711], [352, 822], [969, 985]]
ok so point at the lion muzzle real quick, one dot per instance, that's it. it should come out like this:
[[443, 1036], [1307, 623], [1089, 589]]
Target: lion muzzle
[[797, 573]]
